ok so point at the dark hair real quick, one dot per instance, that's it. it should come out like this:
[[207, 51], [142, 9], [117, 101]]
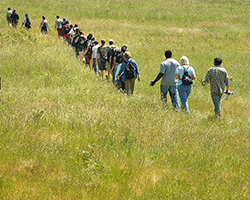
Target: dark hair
[[67, 22], [168, 54], [43, 17], [57, 17], [95, 42], [89, 36], [26, 15], [77, 30], [103, 41], [121, 60], [9, 8], [124, 48], [217, 61]]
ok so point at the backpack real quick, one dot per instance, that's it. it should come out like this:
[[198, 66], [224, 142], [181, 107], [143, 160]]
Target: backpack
[[66, 29], [90, 47], [27, 23], [44, 25], [81, 41], [101, 51], [111, 52], [186, 78], [129, 70], [85, 44], [59, 23]]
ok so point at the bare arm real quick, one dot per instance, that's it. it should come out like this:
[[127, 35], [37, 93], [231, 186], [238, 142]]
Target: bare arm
[[159, 76]]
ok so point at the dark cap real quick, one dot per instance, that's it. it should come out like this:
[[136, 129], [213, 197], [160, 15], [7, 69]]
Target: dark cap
[[217, 61]]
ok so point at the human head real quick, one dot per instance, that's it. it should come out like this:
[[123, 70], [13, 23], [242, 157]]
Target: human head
[[77, 30], [64, 19], [96, 42], [67, 22], [43, 17], [103, 41], [89, 36], [57, 17], [168, 54], [111, 42], [217, 61], [184, 60], [9, 8], [26, 15], [127, 55], [76, 25], [124, 49]]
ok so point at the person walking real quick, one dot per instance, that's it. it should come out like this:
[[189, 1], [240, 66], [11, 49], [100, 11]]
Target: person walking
[[168, 81], [129, 74], [44, 25], [101, 57], [183, 73], [218, 78], [8, 19], [14, 18], [58, 26], [26, 22], [109, 54], [94, 55]]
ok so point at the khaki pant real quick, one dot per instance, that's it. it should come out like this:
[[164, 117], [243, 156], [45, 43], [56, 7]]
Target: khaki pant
[[129, 86]]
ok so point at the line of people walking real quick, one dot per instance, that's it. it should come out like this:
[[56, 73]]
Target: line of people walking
[[117, 64], [109, 61]]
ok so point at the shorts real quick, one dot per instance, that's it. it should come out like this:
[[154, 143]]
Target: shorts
[[101, 65]]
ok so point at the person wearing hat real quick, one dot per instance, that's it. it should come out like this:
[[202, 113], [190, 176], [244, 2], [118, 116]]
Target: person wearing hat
[[26, 22], [218, 78], [184, 89], [168, 81]]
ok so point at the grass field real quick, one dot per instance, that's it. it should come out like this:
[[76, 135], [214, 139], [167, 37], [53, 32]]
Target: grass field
[[67, 134]]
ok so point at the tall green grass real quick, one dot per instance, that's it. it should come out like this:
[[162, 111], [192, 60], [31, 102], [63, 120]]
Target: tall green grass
[[67, 134]]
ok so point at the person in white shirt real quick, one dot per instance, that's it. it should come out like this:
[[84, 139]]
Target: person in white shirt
[[9, 12], [94, 55], [26, 22]]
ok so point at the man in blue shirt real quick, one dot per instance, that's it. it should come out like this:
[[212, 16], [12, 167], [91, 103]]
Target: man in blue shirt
[[168, 81]]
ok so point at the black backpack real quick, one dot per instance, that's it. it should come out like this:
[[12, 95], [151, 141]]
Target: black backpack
[[66, 29], [91, 44], [27, 23], [129, 70], [44, 25], [111, 52], [81, 41], [186, 78]]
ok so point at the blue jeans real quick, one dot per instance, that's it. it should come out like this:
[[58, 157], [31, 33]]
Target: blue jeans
[[184, 91], [216, 100], [173, 94], [94, 65]]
